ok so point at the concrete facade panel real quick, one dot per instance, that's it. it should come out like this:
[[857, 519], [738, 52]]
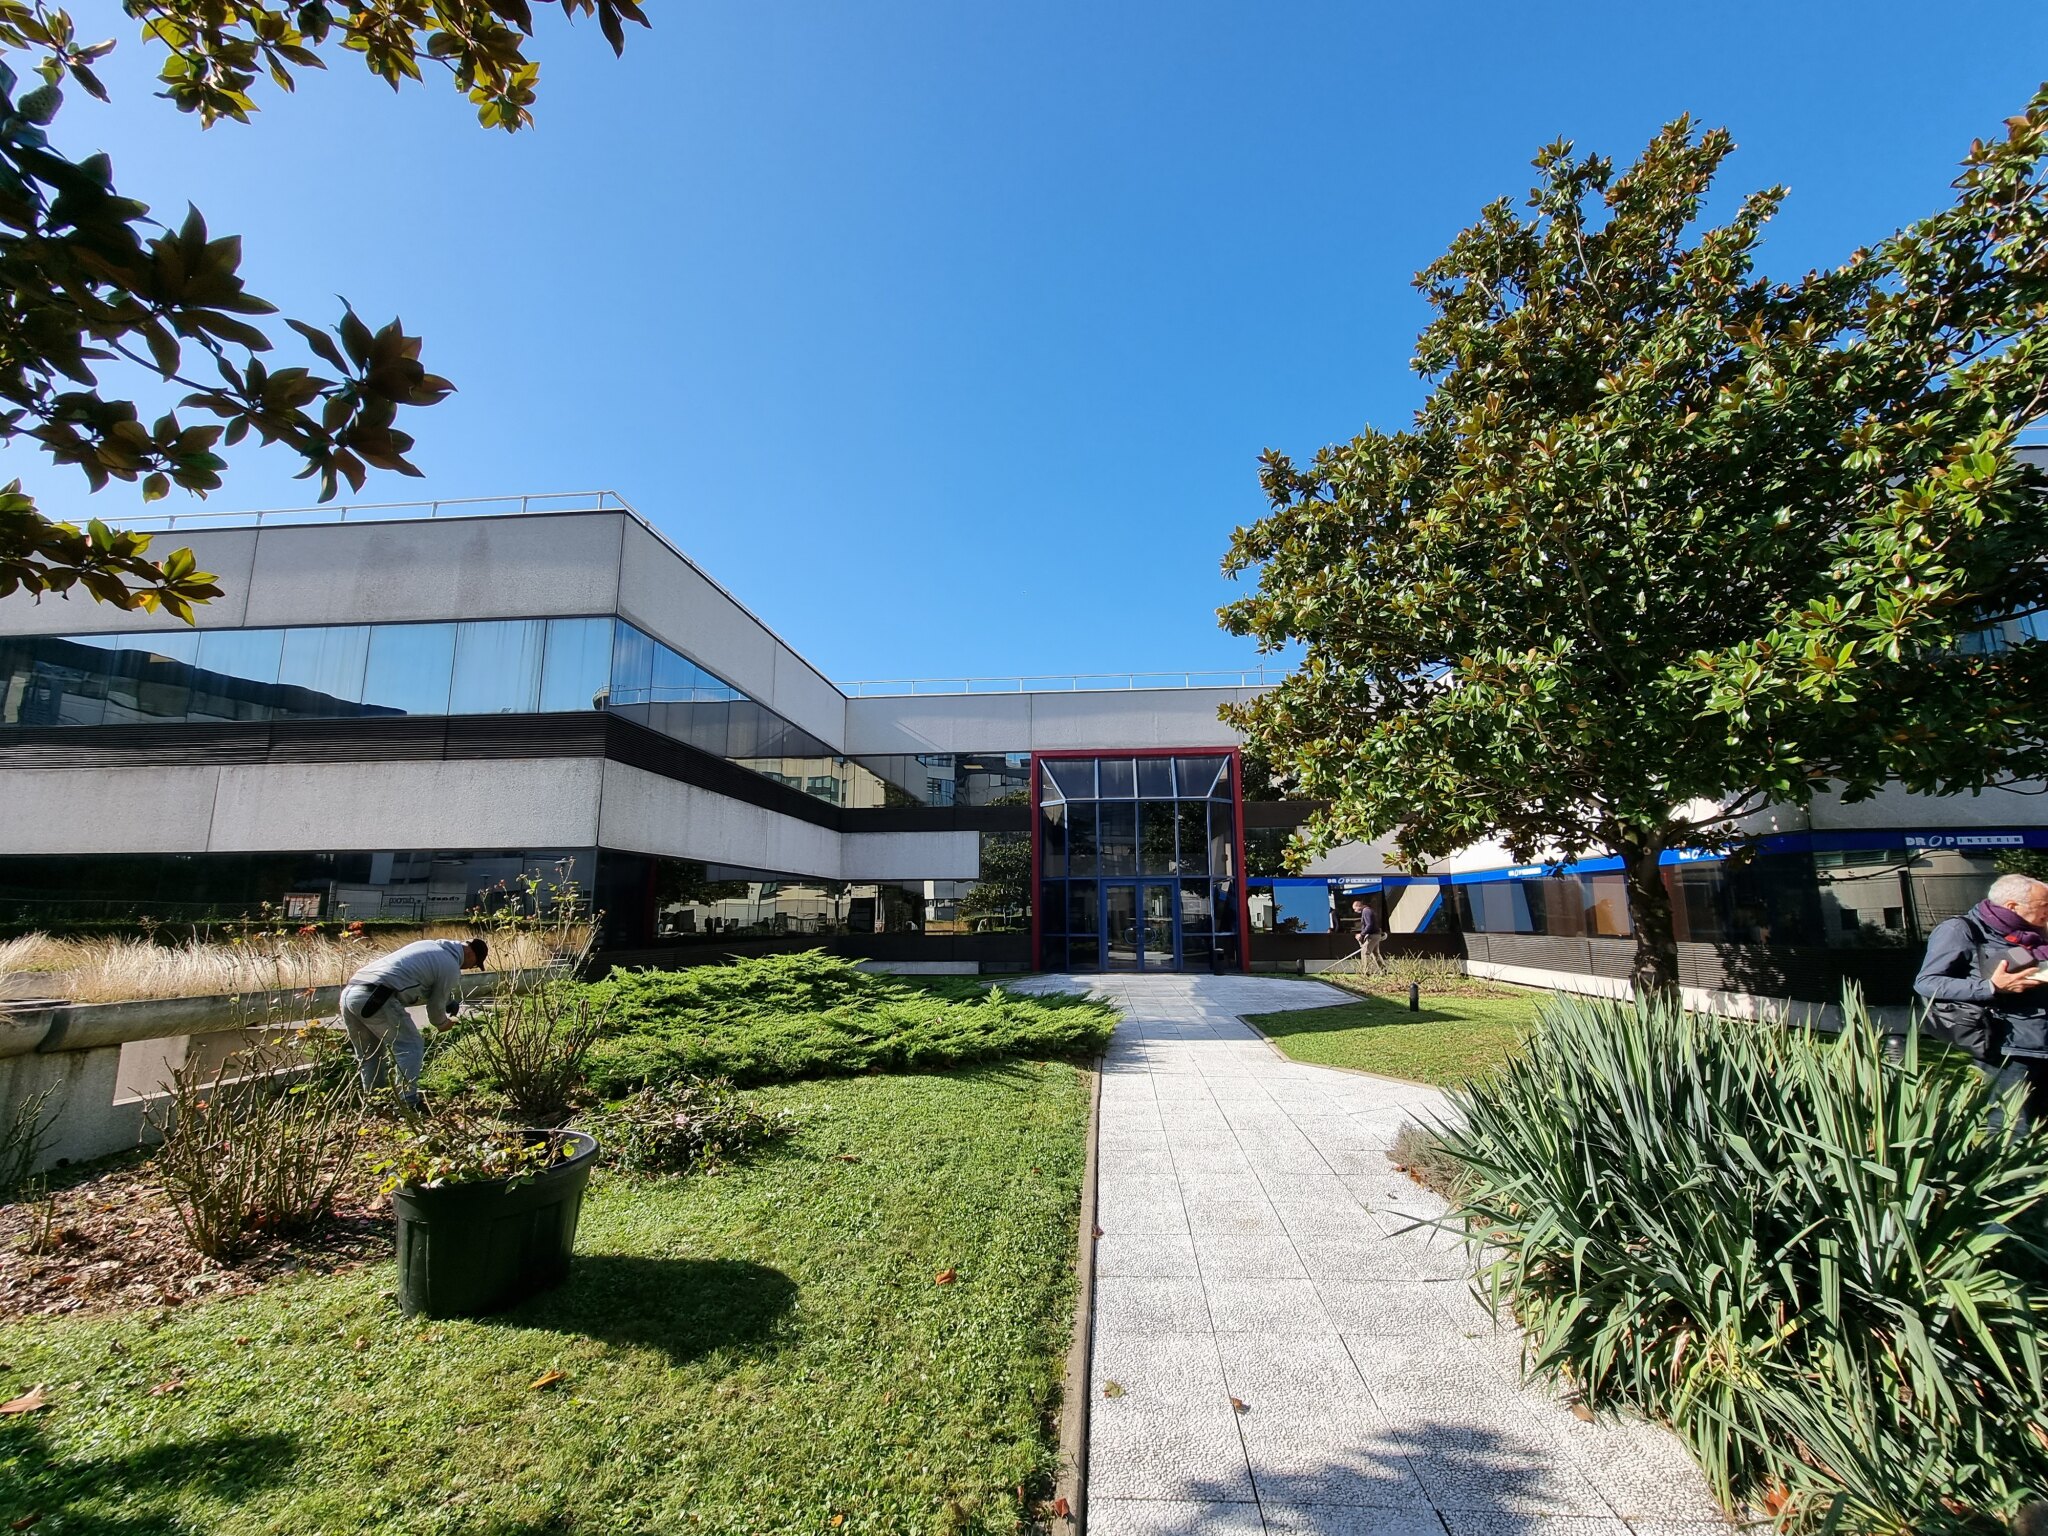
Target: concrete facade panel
[[644, 813], [228, 553], [911, 855], [1158, 717], [505, 803], [107, 810], [801, 696], [445, 568], [979, 722], [1892, 806], [675, 602]]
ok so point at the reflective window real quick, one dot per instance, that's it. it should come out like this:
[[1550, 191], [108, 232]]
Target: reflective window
[[236, 677], [632, 665], [1197, 775], [1117, 780], [1072, 778], [150, 678], [1119, 838], [321, 670], [1156, 821], [1194, 837], [1155, 778], [576, 668], [1052, 839], [497, 667], [1081, 838], [410, 667]]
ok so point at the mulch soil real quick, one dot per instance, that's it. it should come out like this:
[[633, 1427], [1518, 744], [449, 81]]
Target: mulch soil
[[108, 1240]]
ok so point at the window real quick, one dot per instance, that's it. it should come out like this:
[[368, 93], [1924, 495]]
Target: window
[[409, 669]]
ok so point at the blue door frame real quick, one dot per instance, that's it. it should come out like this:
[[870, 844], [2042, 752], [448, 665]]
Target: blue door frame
[[1151, 955]]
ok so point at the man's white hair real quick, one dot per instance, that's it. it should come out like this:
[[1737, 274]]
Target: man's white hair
[[2007, 889]]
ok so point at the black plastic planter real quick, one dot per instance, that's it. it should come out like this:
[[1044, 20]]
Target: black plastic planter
[[468, 1249]]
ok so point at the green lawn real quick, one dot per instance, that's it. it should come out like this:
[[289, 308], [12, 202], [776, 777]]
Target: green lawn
[[762, 1351], [1455, 1037]]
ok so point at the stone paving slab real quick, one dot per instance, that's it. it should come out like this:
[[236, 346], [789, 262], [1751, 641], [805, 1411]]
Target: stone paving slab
[[1256, 1245]]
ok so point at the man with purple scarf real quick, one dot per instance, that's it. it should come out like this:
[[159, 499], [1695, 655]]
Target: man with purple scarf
[[1982, 979]]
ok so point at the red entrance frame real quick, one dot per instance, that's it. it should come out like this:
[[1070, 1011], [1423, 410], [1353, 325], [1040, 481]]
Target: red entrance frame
[[1236, 756]]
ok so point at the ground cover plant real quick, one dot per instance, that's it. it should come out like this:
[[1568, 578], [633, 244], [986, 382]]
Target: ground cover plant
[[770, 1350], [1814, 1262], [778, 1017], [1455, 1035]]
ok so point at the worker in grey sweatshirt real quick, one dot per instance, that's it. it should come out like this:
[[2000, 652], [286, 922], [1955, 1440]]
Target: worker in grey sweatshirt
[[374, 1003]]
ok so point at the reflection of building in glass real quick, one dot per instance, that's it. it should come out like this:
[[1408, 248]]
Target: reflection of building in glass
[[567, 688]]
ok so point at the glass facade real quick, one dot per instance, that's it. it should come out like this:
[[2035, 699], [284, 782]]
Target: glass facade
[[402, 886], [1137, 862], [485, 667]]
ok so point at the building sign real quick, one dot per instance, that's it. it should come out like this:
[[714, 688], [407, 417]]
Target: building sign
[[1966, 840], [302, 906]]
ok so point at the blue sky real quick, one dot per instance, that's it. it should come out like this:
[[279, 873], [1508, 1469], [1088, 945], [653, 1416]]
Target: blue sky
[[947, 335]]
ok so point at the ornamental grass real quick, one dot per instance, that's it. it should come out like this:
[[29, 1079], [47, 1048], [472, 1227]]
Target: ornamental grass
[[1816, 1263]]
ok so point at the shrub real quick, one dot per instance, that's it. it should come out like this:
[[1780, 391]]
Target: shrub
[[691, 1124], [22, 1140], [1814, 1262], [812, 1014], [529, 1046], [1421, 1154], [245, 1152]]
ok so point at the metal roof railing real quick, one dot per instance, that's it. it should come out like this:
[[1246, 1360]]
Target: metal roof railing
[[386, 511], [1061, 682]]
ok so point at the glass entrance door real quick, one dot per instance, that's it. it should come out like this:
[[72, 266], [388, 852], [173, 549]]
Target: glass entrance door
[[1140, 925]]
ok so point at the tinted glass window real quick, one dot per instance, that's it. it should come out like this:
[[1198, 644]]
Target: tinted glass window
[[1155, 777], [1155, 837], [676, 677], [321, 670], [149, 678], [1074, 777], [632, 665], [497, 667], [1118, 782], [1081, 839], [576, 668], [1119, 838], [1194, 837], [237, 674], [1052, 838], [409, 668]]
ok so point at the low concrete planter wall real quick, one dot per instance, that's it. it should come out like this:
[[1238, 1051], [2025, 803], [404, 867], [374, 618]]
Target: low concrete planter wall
[[74, 1052], [89, 1026]]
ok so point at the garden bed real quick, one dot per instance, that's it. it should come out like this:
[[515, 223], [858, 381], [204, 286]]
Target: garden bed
[[107, 1240], [770, 1349]]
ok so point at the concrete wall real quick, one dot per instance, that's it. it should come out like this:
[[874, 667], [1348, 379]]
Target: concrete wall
[[1041, 722], [240, 808]]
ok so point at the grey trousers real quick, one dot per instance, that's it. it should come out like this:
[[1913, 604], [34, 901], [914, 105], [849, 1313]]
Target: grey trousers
[[383, 1040]]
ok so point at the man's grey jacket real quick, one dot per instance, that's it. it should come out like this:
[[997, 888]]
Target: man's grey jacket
[[1962, 1005], [428, 972]]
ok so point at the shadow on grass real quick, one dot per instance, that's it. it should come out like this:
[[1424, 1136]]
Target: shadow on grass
[[1366, 1014], [686, 1308], [134, 1490]]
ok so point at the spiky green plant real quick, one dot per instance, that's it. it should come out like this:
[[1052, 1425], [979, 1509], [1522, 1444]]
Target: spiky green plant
[[1815, 1262]]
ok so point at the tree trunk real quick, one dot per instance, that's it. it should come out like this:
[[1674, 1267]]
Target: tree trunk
[[1649, 914]]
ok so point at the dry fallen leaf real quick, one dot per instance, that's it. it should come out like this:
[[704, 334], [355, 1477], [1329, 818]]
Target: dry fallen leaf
[[1112, 1389], [1239, 1405], [360, 1344], [945, 1277], [547, 1379], [166, 1388], [838, 1520], [28, 1402], [24, 1522], [1098, 1231], [1062, 1508], [847, 1157], [1581, 1411]]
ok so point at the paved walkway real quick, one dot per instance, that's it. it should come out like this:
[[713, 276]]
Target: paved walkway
[[1253, 1249]]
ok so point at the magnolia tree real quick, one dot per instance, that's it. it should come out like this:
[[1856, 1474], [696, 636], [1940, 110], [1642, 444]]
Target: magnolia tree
[[112, 324], [1670, 541]]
